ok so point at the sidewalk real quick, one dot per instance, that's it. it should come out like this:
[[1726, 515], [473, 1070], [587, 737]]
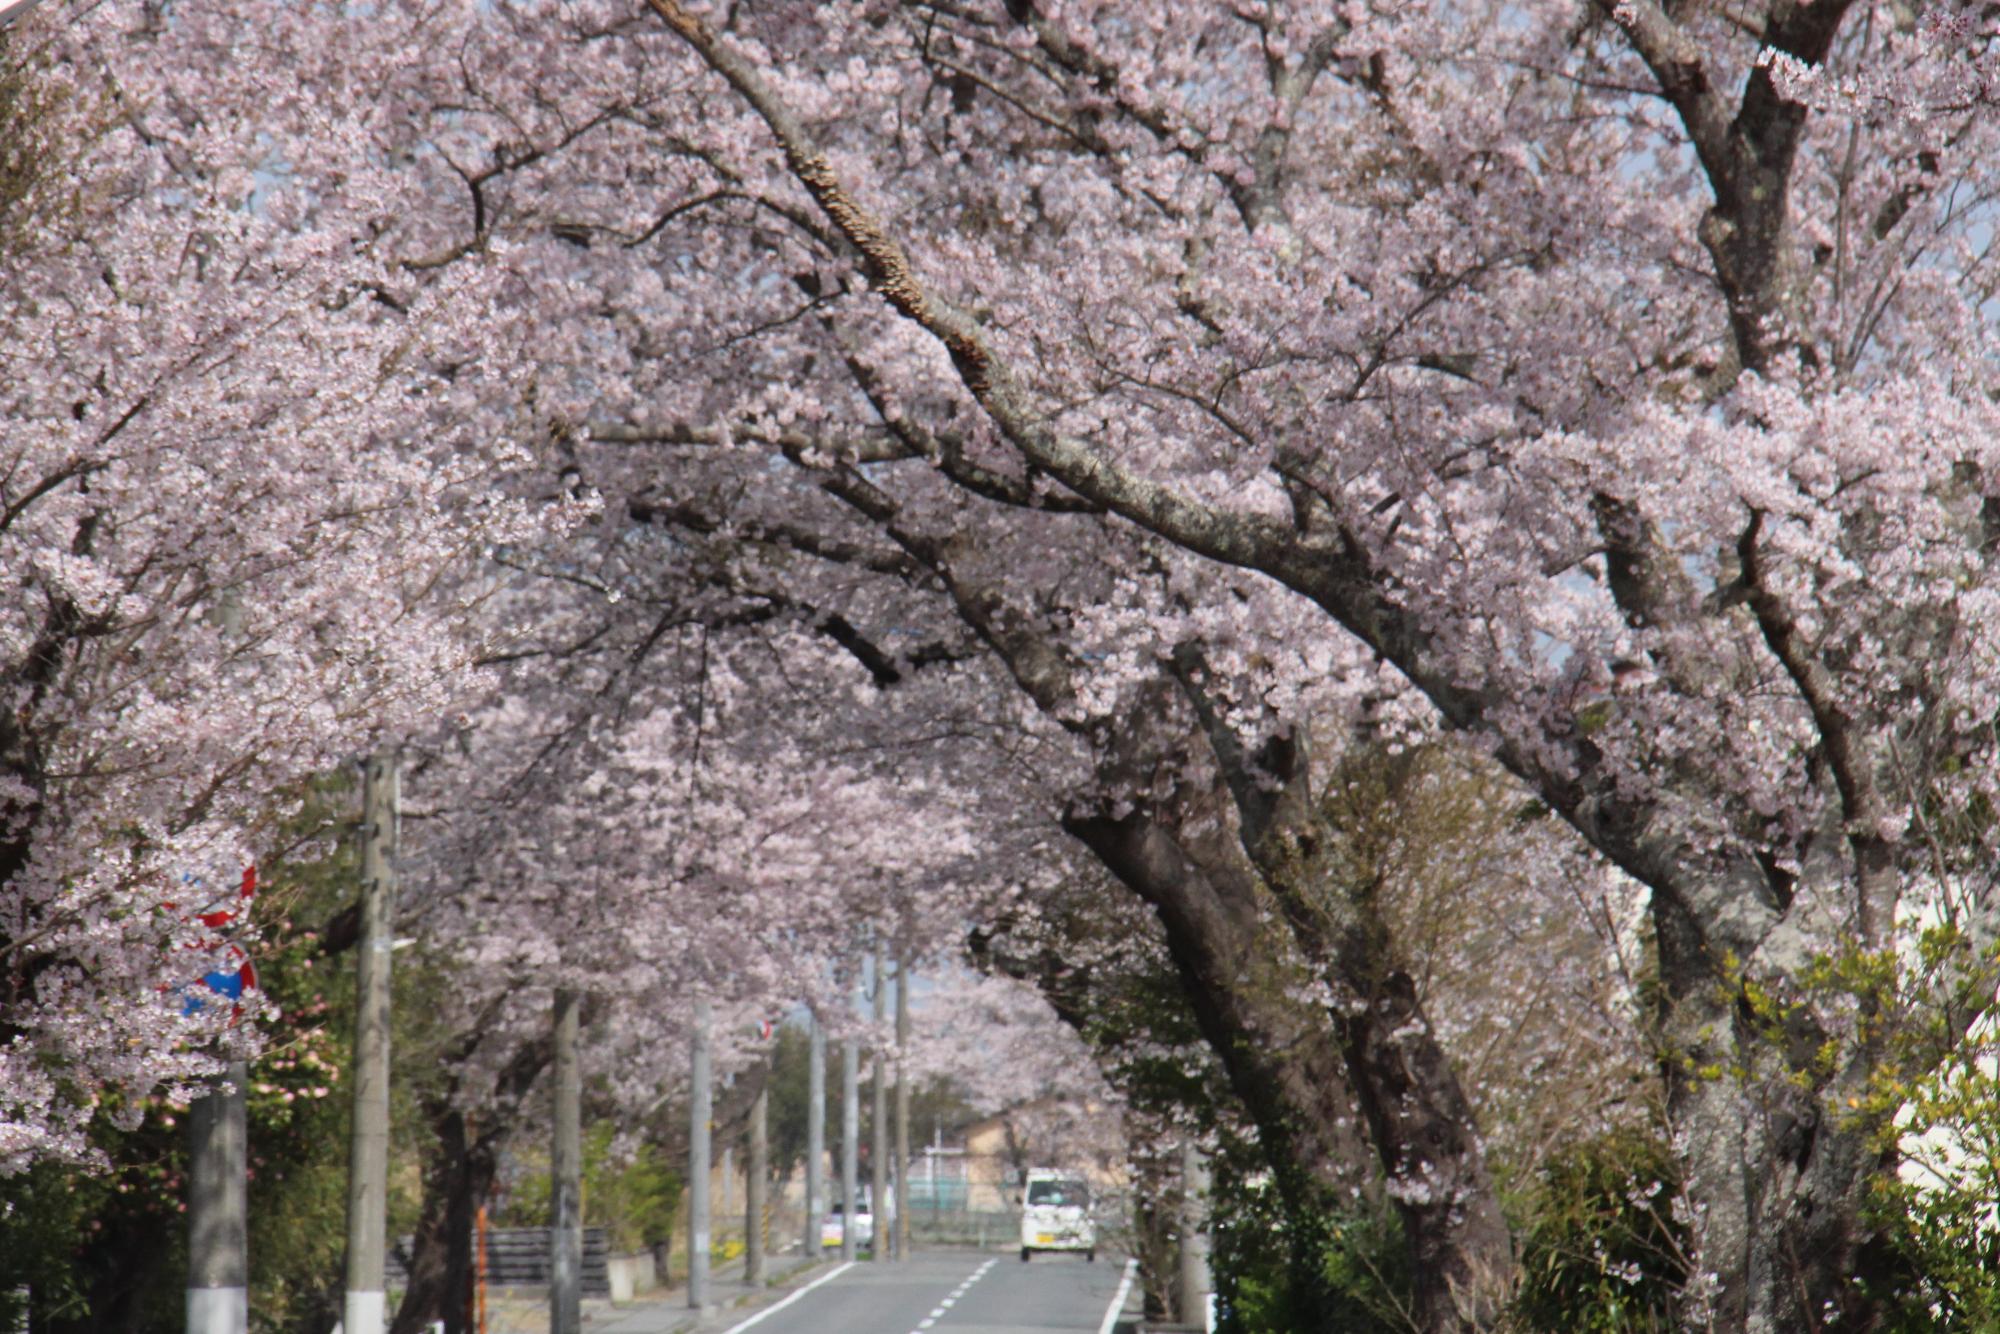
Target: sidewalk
[[665, 1310]]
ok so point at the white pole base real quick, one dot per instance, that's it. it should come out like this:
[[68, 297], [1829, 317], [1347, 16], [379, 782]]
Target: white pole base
[[363, 1313], [218, 1311]]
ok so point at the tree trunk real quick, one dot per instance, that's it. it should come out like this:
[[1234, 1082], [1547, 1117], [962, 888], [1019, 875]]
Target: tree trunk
[[1779, 1175], [1461, 1252], [1779, 1194], [1276, 1050], [457, 1180], [1420, 1121], [1422, 1124], [458, 1176], [1153, 1238]]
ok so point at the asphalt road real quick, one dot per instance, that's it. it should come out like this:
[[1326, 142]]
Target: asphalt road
[[954, 1292]]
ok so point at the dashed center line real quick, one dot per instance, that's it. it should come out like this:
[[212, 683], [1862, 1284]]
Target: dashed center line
[[937, 1312]]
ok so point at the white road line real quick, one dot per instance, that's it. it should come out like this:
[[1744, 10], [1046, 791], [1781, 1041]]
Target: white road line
[[1118, 1302], [937, 1314], [775, 1307]]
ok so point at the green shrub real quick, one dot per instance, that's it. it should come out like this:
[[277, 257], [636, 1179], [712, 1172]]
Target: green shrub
[[1939, 1221], [631, 1193], [1600, 1251], [634, 1195], [1359, 1261]]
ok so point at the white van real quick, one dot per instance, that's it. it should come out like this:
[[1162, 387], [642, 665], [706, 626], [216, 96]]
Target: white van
[[1055, 1214]]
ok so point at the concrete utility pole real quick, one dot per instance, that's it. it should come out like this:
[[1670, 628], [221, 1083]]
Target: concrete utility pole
[[878, 1123], [815, 1135], [902, 1233], [566, 1167], [699, 1114], [218, 1243], [850, 1135], [759, 1167], [368, 1155], [1195, 1283]]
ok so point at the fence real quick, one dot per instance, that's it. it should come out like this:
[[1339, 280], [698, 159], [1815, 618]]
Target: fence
[[519, 1257], [935, 1224]]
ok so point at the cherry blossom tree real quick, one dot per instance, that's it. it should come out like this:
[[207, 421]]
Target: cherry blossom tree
[[1608, 383], [1124, 606], [243, 452], [1619, 377], [681, 786]]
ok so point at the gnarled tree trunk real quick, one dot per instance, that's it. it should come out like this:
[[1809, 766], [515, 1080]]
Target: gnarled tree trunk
[[1420, 1120], [1237, 975], [1780, 1162]]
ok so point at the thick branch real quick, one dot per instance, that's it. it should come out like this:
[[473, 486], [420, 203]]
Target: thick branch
[[792, 537], [1839, 734], [1747, 158], [1238, 539]]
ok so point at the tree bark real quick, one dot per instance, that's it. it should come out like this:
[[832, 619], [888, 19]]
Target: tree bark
[[459, 1174], [1461, 1252], [457, 1180], [1423, 1126], [1276, 1050], [1779, 1168]]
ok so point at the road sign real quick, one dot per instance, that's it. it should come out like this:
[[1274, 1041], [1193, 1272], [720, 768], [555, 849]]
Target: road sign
[[233, 982], [237, 974]]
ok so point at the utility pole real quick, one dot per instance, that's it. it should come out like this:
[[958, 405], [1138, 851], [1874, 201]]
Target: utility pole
[[566, 1164], [218, 1243], [699, 1115], [368, 1154], [850, 1133], [759, 1167], [1194, 1277], [902, 1233], [815, 1135], [878, 1123]]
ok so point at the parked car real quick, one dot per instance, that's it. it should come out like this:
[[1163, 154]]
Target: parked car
[[832, 1221], [1055, 1214]]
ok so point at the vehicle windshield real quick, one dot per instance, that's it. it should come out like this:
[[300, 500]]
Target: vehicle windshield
[[1058, 1193]]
